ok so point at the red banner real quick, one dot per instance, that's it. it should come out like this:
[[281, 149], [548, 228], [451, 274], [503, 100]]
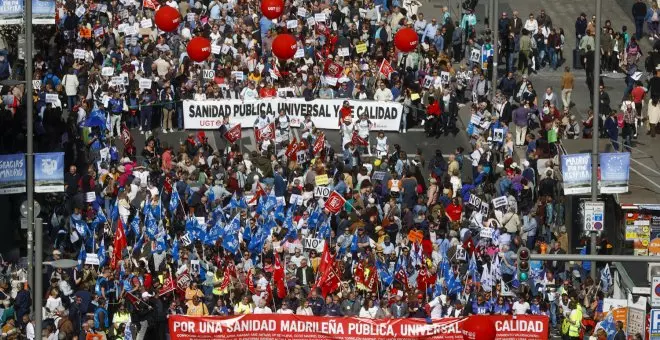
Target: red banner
[[335, 202], [357, 140], [319, 144], [386, 68], [278, 326], [267, 133], [233, 134]]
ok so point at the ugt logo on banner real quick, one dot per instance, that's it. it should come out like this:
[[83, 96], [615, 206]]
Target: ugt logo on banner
[[335, 202]]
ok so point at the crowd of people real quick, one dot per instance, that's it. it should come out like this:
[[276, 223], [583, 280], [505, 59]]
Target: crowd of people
[[196, 229]]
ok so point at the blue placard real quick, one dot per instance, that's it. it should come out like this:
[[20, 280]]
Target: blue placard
[[576, 173], [614, 172], [49, 172], [12, 173]]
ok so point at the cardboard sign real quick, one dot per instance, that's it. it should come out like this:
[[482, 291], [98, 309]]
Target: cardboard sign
[[80, 11], [301, 156], [121, 28], [311, 21], [130, 30], [185, 240], [36, 84], [90, 196], [291, 23], [52, 98], [322, 191], [302, 12], [238, 75], [117, 81], [475, 55], [208, 74], [296, 199], [361, 48], [107, 71], [319, 17], [79, 54], [92, 259], [146, 23], [145, 83], [486, 233], [99, 32], [215, 49], [500, 202], [300, 53], [321, 180], [475, 201], [485, 208], [343, 52], [379, 175], [313, 243]]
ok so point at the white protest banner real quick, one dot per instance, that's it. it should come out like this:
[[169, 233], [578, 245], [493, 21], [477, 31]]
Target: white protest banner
[[343, 52], [208, 74], [486, 232], [79, 54], [313, 243], [130, 30], [500, 202], [296, 199], [299, 53], [302, 12], [145, 83], [51, 98], [215, 49], [475, 201], [332, 81], [208, 114], [146, 23], [238, 75], [185, 240], [80, 11], [107, 71], [322, 191], [36, 84], [319, 17], [291, 23], [311, 21], [92, 259]]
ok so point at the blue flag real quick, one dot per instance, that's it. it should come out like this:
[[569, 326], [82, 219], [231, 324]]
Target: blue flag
[[175, 250], [102, 256], [151, 227], [279, 212], [291, 233], [234, 226], [354, 244], [313, 219], [161, 245], [82, 256], [139, 243], [175, 200], [81, 226], [472, 268], [114, 213], [230, 243], [214, 234], [247, 234], [135, 224], [324, 231], [384, 275]]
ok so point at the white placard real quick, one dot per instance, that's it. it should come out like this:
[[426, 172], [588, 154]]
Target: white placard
[[313, 243], [475, 201], [302, 12], [311, 21], [52, 98], [655, 294], [107, 71], [475, 55], [208, 74], [90, 196], [299, 53], [121, 27], [146, 23], [332, 81], [130, 30], [444, 77], [343, 52], [215, 49], [208, 114], [461, 254], [296, 199], [80, 11], [185, 239], [99, 31], [291, 23], [238, 75], [498, 135], [500, 202], [145, 83], [319, 17], [105, 154], [117, 81], [79, 54], [92, 259], [36, 84], [321, 191], [486, 232], [224, 49], [301, 156], [190, 17]]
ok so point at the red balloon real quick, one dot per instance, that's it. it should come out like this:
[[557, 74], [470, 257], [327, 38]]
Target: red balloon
[[272, 9], [285, 46], [406, 39], [199, 49], [167, 18], [478, 327]]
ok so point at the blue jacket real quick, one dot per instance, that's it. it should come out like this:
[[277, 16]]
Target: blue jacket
[[280, 185]]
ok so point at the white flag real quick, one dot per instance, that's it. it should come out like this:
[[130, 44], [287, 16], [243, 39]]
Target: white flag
[[505, 290]]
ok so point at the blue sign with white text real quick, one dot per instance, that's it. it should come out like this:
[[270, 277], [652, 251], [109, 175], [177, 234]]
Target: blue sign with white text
[[12, 174]]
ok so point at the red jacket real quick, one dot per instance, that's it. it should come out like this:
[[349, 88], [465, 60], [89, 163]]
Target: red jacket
[[434, 109]]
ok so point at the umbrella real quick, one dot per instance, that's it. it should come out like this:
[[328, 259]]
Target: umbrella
[[94, 121]]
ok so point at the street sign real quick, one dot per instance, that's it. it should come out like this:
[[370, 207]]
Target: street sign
[[594, 216], [654, 327], [24, 207], [636, 321], [655, 291]]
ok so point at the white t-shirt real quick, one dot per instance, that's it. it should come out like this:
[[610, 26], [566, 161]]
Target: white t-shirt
[[520, 308], [284, 311], [263, 310]]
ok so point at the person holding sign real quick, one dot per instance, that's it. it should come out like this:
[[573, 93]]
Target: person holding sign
[[363, 126]]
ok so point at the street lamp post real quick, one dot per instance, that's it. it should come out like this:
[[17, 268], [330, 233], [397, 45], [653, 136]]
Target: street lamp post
[[594, 137]]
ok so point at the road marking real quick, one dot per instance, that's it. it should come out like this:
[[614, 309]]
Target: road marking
[[644, 165], [644, 177]]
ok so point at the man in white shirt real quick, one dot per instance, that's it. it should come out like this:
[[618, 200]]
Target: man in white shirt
[[383, 93], [262, 308], [249, 93], [420, 24], [285, 309], [521, 306], [297, 257]]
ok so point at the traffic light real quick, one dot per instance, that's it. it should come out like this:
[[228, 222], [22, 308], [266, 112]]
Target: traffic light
[[523, 264]]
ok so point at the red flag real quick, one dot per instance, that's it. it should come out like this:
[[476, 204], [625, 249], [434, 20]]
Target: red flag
[[226, 280], [423, 278], [118, 245], [385, 68], [292, 149], [402, 277], [371, 280], [168, 286], [332, 69], [357, 140], [149, 4], [250, 282], [131, 298], [319, 144], [278, 277], [326, 259], [359, 273], [231, 268], [266, 133], [260, 192], [233, 134], [335, 202], [329, 282]]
